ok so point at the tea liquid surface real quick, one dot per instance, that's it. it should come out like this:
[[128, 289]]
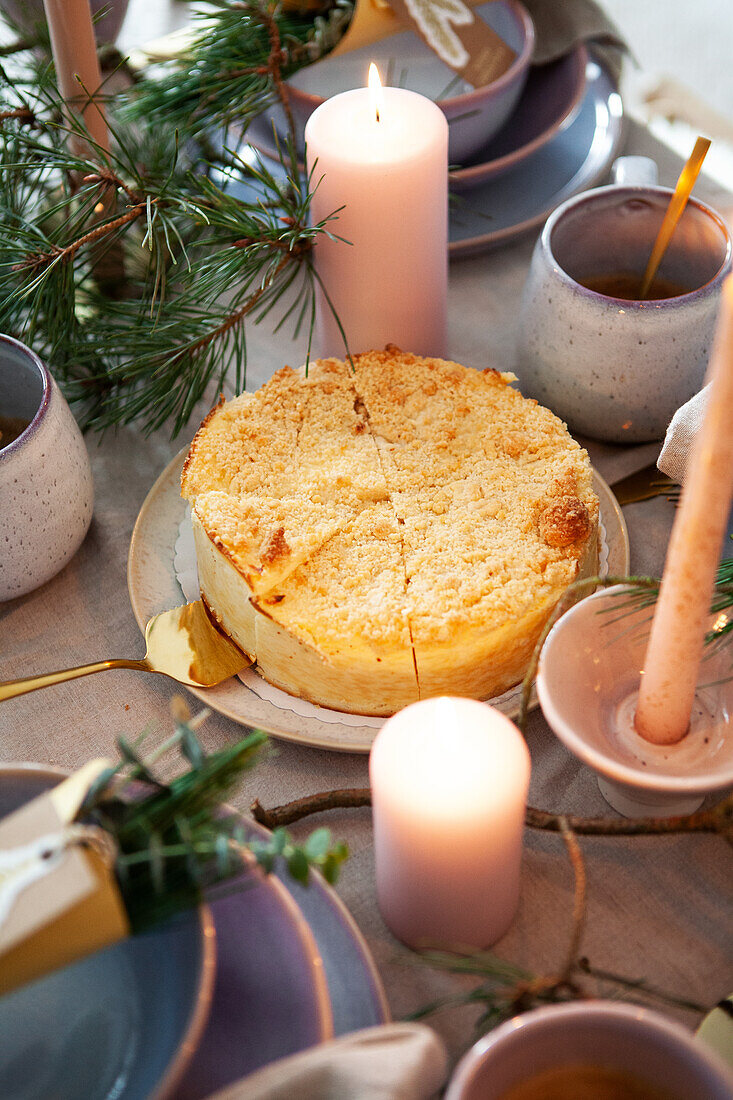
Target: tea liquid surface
[[10, 428], [627, 284], [586, 1082]]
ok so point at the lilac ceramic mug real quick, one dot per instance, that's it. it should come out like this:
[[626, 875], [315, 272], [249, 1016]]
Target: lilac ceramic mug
[[46, 494], [664, 1058], [612, 367]]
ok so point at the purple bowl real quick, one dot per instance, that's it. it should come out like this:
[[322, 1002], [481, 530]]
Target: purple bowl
[[474, 114]]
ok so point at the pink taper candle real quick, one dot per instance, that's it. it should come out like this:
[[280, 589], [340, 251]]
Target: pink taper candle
[[383, 165], [682, 613], [75, 58], [449, 781]]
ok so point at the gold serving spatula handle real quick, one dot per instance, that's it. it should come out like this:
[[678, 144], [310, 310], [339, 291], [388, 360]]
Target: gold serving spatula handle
[[11, 688], [183, 644]]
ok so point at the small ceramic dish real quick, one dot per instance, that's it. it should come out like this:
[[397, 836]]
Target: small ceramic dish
[[587, 683], [474, 114], [550, 102], [625, 1038], [46, 493]]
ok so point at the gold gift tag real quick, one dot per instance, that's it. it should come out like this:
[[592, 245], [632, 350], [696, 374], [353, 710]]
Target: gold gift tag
[[58, 902], [450, 28]]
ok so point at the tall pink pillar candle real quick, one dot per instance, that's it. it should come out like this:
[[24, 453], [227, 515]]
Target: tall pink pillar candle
[[449, 781], [75, 56], [682, 614], [385, 170]]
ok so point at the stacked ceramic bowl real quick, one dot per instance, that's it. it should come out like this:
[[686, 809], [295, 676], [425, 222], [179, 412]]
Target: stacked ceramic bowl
[[518, 147]]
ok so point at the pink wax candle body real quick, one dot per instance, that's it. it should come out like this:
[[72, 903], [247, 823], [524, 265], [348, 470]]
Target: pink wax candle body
[[77, 68], [386, 172], [682, 613], [449, 781]]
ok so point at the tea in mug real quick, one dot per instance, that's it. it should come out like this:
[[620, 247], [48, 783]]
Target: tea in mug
[[10, 428], [586, 1082], [627, 284]]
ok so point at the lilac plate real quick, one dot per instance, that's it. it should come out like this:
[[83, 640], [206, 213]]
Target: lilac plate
[[578, 157], [263, 1006]]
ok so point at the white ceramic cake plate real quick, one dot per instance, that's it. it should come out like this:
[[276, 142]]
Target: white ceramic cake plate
[[154, 587]]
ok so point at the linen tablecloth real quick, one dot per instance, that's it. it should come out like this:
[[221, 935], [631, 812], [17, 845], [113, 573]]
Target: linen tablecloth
[[658, 908]]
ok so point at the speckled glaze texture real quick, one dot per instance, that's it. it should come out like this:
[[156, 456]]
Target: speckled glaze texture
[[614, 369], [46, 491]]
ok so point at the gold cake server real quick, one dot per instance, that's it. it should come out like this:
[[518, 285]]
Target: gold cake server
[[183, 644]]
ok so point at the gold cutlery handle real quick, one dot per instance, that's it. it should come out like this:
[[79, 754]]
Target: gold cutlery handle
[[11, 688]]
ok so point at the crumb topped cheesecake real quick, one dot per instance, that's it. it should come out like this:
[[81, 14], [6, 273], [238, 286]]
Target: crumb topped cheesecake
[[388, 532]]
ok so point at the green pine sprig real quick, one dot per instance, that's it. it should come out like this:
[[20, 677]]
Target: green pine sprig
[[136, 273], [503, 989], [224, 79]]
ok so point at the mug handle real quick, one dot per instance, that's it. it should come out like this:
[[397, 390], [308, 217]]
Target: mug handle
[[635, 172]]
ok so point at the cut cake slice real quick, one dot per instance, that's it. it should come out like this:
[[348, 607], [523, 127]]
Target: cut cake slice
[[337, 627]]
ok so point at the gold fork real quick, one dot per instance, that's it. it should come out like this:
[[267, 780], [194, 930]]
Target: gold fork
[[644, 484]]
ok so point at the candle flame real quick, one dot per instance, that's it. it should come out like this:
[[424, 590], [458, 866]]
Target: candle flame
[[375, 90]]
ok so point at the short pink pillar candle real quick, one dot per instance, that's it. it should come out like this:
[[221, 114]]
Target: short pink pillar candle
[[449, 781]]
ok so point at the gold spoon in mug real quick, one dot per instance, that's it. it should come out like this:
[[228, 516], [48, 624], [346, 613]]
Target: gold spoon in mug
[[678, 202], [182, 643]]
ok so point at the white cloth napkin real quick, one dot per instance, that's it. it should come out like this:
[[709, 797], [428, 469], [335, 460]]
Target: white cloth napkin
[[391, 1062], [683, 428]]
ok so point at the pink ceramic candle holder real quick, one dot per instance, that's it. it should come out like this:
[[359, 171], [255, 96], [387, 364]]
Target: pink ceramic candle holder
[[587, 682]]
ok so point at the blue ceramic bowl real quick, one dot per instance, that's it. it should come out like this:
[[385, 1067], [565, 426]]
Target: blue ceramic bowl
[[120, 1024], [474, 115]]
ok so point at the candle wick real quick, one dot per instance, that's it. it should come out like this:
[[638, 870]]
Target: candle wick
[[377, 110]]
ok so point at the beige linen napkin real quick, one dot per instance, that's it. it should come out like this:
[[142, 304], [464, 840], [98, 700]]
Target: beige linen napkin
[[561, 24], [683, 428], [391, 1062]]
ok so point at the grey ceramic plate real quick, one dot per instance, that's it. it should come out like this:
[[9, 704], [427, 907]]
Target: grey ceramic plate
[[153, 587], [577, 158], [292, 969]]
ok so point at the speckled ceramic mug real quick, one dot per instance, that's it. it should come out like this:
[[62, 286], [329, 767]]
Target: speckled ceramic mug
[[613, 368], [46, 493]]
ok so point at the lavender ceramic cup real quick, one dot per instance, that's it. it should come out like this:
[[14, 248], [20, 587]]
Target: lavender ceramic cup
[[46, 493], [623, 1037], [616, 369]]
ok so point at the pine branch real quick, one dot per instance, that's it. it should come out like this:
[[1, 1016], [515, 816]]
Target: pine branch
[[137, 270], [225, 78]]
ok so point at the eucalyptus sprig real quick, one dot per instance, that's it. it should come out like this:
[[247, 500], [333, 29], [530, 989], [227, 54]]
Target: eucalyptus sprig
[[177, 841]]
